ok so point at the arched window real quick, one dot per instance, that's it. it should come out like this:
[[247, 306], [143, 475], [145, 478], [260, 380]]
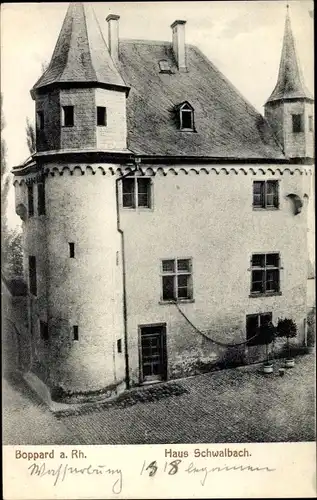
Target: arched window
[[186, 117]]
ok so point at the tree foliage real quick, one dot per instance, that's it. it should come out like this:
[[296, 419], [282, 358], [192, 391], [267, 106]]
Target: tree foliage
[[5, 182], [30, 136]]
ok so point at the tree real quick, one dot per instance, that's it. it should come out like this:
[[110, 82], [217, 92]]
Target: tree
[[30, 136], [287, 328], [5, 185]]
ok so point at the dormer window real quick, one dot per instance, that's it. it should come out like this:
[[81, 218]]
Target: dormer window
[[164, 66], [186, 117]]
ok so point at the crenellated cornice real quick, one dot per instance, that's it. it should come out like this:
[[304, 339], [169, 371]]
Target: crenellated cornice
[[151, 170]]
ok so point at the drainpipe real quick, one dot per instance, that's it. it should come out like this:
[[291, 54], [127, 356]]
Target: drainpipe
[[125, 318]]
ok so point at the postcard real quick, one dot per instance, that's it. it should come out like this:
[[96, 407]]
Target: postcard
[[158, 259]]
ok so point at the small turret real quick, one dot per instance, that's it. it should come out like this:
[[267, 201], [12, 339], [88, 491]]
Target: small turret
[[82, 92], [289, 109]]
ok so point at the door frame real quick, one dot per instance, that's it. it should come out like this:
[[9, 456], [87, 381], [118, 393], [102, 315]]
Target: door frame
[[164, 349]]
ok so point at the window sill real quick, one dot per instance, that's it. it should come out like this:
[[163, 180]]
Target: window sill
[[179, 301], [137, 209], [266, 294], [265, 209]]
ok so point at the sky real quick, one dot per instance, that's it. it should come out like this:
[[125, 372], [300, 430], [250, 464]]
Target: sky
[[242, 38]]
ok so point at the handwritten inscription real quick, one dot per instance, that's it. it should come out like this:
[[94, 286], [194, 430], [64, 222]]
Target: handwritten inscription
[[61, 472], [172, 468]]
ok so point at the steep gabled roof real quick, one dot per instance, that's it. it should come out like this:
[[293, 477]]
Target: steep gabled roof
[[227, 126], [81, 54], [290, 83]]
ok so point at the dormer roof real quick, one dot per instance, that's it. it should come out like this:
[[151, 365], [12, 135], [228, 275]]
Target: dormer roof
[[81, 55], [290, 82]]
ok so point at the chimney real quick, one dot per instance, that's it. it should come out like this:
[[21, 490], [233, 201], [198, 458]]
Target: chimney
[[113, 36], [178, 28]]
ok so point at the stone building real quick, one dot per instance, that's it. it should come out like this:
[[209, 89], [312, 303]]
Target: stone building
[[158, 199]]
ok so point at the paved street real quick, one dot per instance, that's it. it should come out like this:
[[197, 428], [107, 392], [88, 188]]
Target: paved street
[[237, 405]]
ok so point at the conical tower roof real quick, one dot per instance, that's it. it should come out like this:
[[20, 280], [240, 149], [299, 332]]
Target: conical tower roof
[[290, 83], [81, 54]]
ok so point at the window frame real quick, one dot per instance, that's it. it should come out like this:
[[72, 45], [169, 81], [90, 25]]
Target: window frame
[[104, 121], [175, 274], [264, 269], [299, 125], [185, 107], [136, 192], [258, 316], [64, 115], [264, 195]]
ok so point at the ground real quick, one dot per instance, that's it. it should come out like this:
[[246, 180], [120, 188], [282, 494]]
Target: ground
[[236, 405]]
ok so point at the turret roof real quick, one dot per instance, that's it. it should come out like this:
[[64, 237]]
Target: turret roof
[[290, 83], [81, 54]]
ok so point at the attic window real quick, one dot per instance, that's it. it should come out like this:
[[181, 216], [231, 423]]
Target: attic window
[[186, 117], [164, 66]]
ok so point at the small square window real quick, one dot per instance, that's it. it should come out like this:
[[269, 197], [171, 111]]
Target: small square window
[[297, 121], [265, 194], [40, 120], [68, 116], [101, 116], [164, 66]]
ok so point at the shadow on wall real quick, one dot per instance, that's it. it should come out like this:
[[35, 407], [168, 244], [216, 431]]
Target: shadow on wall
[[16, 349]]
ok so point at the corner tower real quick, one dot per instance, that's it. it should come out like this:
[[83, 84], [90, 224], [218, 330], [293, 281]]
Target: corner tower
[[80, 98], [66, 197], [289, 109]]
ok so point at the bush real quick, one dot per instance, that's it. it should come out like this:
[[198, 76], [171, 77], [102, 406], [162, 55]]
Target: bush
[[286, 328]]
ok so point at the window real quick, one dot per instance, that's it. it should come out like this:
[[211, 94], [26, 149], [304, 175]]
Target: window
[[119, 346], [136, 192], [43, 330], [71, 250], [75, 332], [164, 66], [310, 124], [40, 120], [32, 275], [68, 116], [265, 270], [265, 194], [176, 279], [101, 116], [41, 198], [30, 200], [253, 324], [297, 123], [186, 117]]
